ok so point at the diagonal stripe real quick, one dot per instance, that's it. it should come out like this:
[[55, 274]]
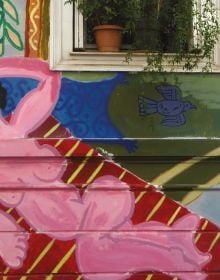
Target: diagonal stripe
[[6, 272], [122, 175], [173, 217], [215, 240], [204, 226], [149, 277], [52, 130], [191, 196], [81, 166], [183, 166], [179, 168], [95, 173], [139, 197], [62, 262], [9, 210], [79, 277], [8, 268], [74, 147], [20, 220], [156, 207], [39, 258], [58, 143]]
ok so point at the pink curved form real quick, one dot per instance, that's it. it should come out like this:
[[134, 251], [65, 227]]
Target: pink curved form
[[117, 247]]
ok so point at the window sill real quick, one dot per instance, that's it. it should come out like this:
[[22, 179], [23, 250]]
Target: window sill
[[99, 61], [63, 59]]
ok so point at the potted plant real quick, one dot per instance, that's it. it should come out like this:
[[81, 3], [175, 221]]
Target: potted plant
[[181, 34], [109, 18]]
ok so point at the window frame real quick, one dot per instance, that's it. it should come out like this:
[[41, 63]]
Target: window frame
[[63, 58]]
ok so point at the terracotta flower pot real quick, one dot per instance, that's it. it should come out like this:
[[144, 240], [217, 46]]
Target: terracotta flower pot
[[108, 37]]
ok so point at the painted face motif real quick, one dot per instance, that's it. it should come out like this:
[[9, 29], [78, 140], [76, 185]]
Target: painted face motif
[[170, 108]]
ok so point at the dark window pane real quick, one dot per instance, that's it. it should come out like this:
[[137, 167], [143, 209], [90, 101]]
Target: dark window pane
[[164, 25]]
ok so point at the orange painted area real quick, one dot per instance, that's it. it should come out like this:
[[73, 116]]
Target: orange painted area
[[33, 28]]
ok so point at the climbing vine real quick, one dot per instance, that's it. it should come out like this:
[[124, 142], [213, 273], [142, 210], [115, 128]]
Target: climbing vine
[[9, 20]]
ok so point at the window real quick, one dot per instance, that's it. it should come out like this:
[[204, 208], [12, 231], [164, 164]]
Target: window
[[155, 27], [72, 49]]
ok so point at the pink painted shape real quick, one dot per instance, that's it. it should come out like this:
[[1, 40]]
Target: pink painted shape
[[108, 202], [133, 248], [13, 241], [59, 210], [37, 105]]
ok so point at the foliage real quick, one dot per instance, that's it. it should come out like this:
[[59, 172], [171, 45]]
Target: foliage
[[120, 12], [8, 21], [174, 32], [204, 30]]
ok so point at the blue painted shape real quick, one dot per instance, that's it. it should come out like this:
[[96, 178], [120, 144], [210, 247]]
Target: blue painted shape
[[82, 107], [207, 205], [16, 89], [171, 107]]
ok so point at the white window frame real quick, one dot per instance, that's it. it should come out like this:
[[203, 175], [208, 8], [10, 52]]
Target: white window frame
[[63, 58]]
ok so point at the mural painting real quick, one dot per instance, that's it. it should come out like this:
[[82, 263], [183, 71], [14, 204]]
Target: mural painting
[[57, 209], [171, 107], [11, 41], [68, 209]]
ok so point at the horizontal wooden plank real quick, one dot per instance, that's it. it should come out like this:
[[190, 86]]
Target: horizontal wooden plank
[[151, 275], [170, 171], [144, 205], [41, 208], [174, 146], [113, 253], [186, 147]]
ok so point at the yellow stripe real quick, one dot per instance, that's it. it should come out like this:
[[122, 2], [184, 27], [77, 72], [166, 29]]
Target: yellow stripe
[[183, 166], [139, 197], [214, 242], [58, 143], [122, 175], [175, 278], [70, 152], [173, 217], [156, 207], [6, 272], [94, 174], [39, 258], [81, 166], [7, 269], [175, 170], [149, 277], [62, 262], [9, 210], [79, 277], [204, 226], [178, 169], [20, 220], [215, 152], [191, 196], [51, 130]]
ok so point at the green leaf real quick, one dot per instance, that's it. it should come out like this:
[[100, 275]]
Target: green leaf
[[2, 47], [1, 18], [11, 11], [13, 36]]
